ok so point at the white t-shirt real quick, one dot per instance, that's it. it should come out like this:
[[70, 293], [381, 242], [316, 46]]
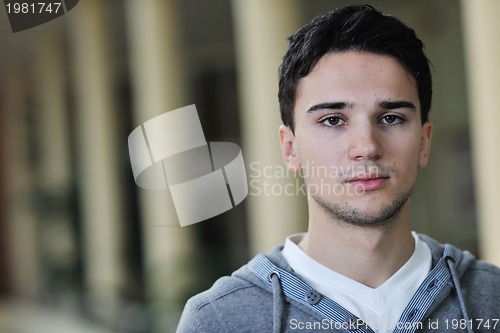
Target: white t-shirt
[[380, 307]]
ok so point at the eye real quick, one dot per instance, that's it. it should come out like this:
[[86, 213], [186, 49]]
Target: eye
[[391, 119], [333, 121]]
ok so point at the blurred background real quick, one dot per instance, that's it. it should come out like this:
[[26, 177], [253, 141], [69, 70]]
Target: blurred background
[[83, 249]]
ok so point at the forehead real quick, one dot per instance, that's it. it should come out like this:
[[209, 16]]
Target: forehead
[[355, 75]]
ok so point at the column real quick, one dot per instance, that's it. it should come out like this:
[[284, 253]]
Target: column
[[97, 150], [57, 230], [482, 48], [261, 31], [21, 221], [158, 82]]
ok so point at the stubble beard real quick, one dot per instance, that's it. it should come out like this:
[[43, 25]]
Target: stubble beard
[[356, 217]]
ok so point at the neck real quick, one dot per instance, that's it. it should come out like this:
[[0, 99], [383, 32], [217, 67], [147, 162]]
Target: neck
[[367, 254]]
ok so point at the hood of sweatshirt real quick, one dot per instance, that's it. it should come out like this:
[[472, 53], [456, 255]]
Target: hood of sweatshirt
[[273, 274]]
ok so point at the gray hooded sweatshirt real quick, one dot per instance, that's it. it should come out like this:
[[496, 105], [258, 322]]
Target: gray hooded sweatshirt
[[460, 294]]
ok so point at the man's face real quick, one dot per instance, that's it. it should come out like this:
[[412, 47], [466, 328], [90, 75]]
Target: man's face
[[358, 138]]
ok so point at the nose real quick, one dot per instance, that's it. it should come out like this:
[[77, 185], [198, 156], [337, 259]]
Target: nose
[[364, 142]]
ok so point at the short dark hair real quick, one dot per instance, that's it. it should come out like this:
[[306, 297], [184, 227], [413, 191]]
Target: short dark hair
[[359, 28]]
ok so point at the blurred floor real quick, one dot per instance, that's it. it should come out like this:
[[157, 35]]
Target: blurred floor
[[24, 317]]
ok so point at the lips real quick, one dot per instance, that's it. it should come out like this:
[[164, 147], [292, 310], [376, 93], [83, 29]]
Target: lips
[[368, 183]]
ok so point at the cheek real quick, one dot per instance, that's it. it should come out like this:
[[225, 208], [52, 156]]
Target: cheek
[[319, 151], [405, 154], [409, 157]]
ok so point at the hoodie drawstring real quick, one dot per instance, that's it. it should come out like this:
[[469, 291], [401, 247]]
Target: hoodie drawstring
[[284, 283], [277, 301], [456, 282]]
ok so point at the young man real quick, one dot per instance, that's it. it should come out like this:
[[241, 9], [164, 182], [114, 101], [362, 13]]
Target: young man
[[355, 91]]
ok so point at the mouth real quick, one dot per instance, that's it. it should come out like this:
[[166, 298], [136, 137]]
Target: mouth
[[368, 182]]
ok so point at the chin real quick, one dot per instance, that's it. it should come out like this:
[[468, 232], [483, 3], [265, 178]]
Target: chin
[[365, 210]]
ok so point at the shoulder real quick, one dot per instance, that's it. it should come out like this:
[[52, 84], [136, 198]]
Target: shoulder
[[480, 284], [232, 302], [468, 267], [483, 275], [479, 279], [224, 289]]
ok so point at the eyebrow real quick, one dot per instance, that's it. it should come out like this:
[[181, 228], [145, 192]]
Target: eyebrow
[[329, 106], [386, 105], [391, 105]]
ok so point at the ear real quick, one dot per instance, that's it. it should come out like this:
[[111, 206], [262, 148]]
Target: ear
[[425, 144], [288, 148]]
